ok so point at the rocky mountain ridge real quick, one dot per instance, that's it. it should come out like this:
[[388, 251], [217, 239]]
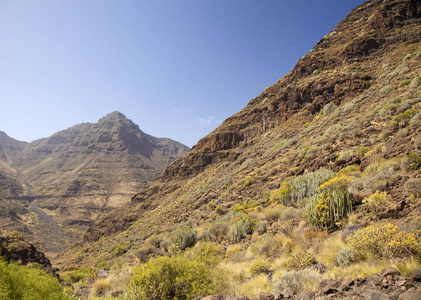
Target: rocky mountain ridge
[[64, 182], [350, 109]]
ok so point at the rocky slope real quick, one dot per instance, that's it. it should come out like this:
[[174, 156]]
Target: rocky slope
[[346, 93], [351, 105], [55, 187]]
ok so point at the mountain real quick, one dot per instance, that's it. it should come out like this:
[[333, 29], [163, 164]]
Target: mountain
[[348, 111], [69, 179]]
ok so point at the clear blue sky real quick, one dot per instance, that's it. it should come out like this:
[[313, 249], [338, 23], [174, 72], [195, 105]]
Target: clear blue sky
[[177, 68]]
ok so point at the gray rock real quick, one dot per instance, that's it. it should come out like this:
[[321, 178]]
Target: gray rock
[[103, 273]]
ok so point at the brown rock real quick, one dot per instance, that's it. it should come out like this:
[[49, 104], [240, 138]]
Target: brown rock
[[211, 297], [235, 297], [412, 294], [266, 296], [416, 275], [389, 271]]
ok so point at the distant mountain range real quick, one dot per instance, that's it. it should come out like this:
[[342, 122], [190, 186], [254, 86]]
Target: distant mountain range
[[54, 188]]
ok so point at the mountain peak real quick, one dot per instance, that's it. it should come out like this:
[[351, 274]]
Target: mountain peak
[[114, 116]]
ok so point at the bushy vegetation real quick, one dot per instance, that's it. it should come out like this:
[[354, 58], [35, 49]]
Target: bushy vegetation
[[326, 210], [376, 202], [178, 277], [293, 191], [184, 238], [240, 229], [298, 281], [346, 256], [384, 240], [20, 282], [260, 267]]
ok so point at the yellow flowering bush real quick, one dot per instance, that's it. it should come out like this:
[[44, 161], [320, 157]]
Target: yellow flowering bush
[[384, 240], [299, 260], [376, 202], [340, 182]]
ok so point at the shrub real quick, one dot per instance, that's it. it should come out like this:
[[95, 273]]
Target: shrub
[[327, 209], [260, 267], [299, 260], [346, 256], [248, 180], [404, 82], [218, 231], [20, 282], [219, 210], [376, 202], [404, 118], [234, 254], [346, 155], [266, 245], [296, 189], [175, 278], [362, 150], [384, 240], [121, 249], [349, 170], [261, 227], [386, 90], [305, 280], [240, 229], [207, 252], [143, 253], [328, 108], [412, 187], [184, 238], [411, 161]]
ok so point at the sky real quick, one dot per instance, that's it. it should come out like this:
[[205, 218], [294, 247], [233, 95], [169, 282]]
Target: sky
[[177, 68]]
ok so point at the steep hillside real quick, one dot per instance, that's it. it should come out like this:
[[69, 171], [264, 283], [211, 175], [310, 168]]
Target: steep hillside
[[342, 128], [344, 94], [66, 181], [11, 185]]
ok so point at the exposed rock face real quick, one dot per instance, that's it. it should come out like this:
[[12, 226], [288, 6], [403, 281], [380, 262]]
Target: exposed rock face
[[69, 179], [14, 247]]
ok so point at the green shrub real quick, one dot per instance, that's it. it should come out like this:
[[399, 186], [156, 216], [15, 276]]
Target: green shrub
[[346, 256], [121, 249], [326, 210], [260, 267], [248, 180], [386, 90], [175, 278], [240, 229], [295, 190], [206, 252], [183, 238], [362, 150], [20, 282], [297, 281], [299, 260], [404, 82], [349, 170], [384, 240], [404, 118], [346, 155]]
